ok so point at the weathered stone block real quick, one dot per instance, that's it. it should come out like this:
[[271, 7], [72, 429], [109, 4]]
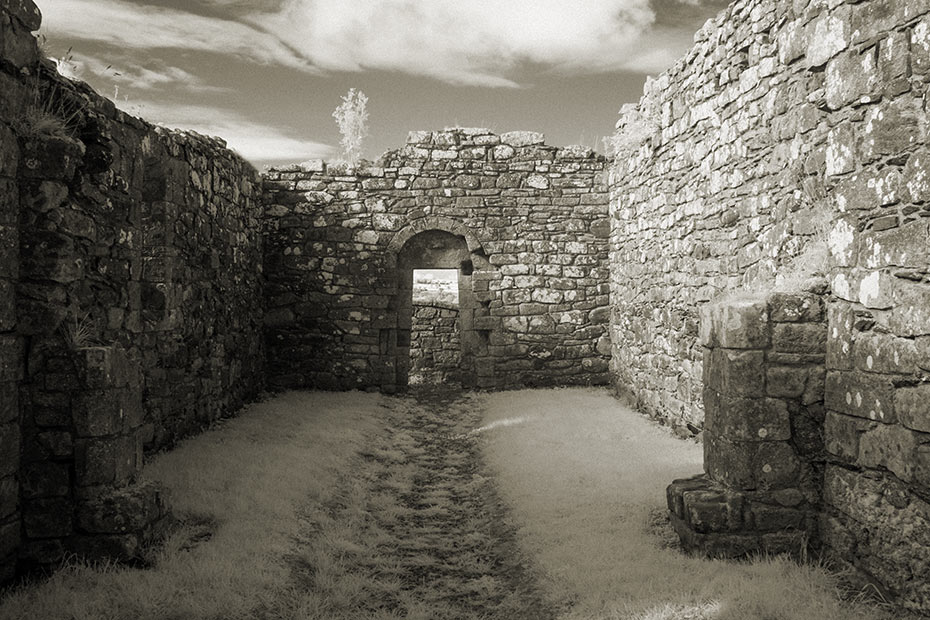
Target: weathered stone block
[[522, 138], [9, 402], [893, 64], [111, 460], [891, 129], [735, 325], [97, 413], [746, 419], [922, 467], [830, 35], [675, 491], [799, 337], [46, 479], [786, 381], [920, 46], [841, 153], [713, 510], [890, 446], [25, 11], [912, 406], [885, 353], [119, 512], [842, 433], [795, 307], [775, 465], [861, 394], [11, 358], [903, 246], [729, 463], [840, 319], [735, 372], [850, 76], [772, 518], [9, 540], [872, 19], [911, 313], [19, 47], [10, 441], [50, 158]]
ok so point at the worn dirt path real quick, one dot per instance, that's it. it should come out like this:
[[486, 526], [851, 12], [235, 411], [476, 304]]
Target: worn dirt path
[[431, 538]]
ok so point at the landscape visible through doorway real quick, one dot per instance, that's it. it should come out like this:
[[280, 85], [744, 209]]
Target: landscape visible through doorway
[[435, 344]]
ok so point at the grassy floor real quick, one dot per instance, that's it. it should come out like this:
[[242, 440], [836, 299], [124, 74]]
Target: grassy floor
[[418, 531], [585, 479], [535, 504], [242, 486]]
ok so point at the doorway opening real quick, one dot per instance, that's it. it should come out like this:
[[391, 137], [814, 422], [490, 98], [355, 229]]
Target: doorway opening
[[435, 343]]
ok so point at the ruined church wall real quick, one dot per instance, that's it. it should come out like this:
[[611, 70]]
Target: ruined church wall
[[130, 265], [535, 221], [791, 140]]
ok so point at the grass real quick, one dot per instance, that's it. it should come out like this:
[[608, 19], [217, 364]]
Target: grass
[[78, 332], [48, 114], [586, 477], [239, 489], [538, 504]]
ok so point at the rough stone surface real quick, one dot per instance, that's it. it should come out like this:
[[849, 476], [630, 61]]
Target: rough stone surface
[[435, 345], [763, 442], [130, 272], [524, 223], [790, 141]]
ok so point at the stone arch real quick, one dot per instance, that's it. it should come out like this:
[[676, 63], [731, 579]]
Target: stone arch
[[434, 222], [432, 243]]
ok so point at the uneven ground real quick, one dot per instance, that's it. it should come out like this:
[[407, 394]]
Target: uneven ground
[[532, 504]]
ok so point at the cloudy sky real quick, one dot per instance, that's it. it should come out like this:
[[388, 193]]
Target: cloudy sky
[[267, 74]]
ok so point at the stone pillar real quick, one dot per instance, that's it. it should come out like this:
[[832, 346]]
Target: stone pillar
[[114, 514], [763, 439]]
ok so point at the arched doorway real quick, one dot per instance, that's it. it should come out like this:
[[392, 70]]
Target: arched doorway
[[434, 249]]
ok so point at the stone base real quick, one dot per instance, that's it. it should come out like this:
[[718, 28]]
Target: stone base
[[112, 524], [714, 521]]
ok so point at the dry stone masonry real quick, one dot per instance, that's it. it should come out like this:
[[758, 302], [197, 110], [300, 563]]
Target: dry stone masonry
[[130, 311], [151, 281], [525, 224], [763, 442], [435, 345], [792, 140]]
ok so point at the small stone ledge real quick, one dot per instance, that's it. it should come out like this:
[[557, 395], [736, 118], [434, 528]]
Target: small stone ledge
[[715, 521]]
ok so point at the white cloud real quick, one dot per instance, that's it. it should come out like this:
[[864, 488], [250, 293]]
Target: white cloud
[[254, 141], [476, 42], [145, 27]]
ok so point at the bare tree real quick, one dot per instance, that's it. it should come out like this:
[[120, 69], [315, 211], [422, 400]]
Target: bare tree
[[352, 118]]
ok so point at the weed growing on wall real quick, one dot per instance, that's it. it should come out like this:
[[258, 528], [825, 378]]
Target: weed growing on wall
[[48, 114], [352, 118], [78, 332]]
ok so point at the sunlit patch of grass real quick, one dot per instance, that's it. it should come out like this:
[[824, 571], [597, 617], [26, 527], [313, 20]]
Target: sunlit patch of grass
[[238, 490], [585, 479]]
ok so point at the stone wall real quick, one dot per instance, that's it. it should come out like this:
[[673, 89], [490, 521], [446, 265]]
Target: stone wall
[[130, 270], [791, 140], [781, 118], [435, 345], [524, 223], [763, 436]]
